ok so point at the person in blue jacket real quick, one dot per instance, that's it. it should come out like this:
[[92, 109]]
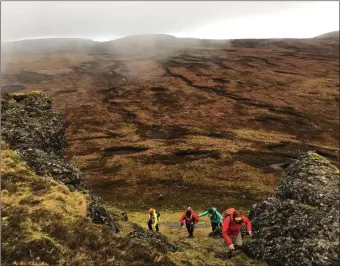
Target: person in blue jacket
[[215, 218]]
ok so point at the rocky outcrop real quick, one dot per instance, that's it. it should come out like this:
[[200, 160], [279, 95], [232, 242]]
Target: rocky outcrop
[[99, 215], [37, 134], [28, 122], [299, 225], [154, 239]]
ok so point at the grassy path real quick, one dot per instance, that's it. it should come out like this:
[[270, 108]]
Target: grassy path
[[202, 250]]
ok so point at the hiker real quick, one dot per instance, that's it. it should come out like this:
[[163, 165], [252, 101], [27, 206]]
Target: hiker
[[215, 219], [190, 218], [153, 222], [231, 229]]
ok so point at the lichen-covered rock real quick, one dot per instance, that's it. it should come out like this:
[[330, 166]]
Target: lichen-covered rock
[[312, 180], [37, 133], [153, 239], [50, 164], [300, 224], [99, 215], [28, 122]]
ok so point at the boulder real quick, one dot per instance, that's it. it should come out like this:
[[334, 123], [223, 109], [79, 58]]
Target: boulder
[[299, 225]]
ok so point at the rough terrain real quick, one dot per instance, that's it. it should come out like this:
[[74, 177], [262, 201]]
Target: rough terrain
[[169, 123], [48, 215], [300, 224], [189, 119]]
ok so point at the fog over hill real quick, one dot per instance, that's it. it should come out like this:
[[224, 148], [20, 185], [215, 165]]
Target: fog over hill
[[329, 35], [136, 43]]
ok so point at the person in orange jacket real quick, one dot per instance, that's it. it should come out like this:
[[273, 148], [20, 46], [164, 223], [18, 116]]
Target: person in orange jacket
[[231, 228], [190, 219]]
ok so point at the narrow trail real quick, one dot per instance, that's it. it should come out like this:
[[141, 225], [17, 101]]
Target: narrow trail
[[201, 250]]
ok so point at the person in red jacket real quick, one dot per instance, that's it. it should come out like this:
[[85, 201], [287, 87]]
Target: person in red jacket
[[231, 228], [190, 218]]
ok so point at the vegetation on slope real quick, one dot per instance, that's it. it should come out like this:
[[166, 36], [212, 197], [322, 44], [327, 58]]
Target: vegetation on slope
[[48, 220], [44, 223], [216, 120], [219, 120], [209, 124]]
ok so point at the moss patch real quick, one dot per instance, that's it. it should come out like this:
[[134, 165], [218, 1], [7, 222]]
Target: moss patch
[[44, 223]]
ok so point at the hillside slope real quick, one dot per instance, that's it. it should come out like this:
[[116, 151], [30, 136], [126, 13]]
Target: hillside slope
[[48, 215], [48, 45], [168, 125], [329, 35], [202, 123]]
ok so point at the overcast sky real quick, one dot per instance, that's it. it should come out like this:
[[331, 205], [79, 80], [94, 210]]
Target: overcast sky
[[212, 20]]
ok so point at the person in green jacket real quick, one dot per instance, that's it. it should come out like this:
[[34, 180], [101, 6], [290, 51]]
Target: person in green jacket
[[215, 218]]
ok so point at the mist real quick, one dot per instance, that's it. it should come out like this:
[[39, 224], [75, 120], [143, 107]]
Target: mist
[[103, 21]]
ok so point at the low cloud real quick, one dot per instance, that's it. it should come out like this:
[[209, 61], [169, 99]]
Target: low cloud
[[110, 20]]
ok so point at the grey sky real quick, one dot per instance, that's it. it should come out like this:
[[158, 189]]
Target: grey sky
[[106, 20]]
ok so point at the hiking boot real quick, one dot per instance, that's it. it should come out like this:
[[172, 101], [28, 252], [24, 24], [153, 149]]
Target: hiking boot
[[237, 247]]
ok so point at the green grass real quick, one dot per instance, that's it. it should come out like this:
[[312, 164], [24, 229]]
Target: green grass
[[202, 250], [44, 223]]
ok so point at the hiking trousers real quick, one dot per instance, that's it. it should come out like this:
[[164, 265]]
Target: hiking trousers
[[214, 226], [150, 226], [238, 239], [190, 229]]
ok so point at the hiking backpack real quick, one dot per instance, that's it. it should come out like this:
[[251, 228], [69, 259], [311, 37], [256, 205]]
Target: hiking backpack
[[228, 212], [158, 214]]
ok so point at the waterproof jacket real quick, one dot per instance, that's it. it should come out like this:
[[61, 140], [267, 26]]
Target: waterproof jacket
[[154, 219], [193, 219], [230, 228], [215, 217]]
